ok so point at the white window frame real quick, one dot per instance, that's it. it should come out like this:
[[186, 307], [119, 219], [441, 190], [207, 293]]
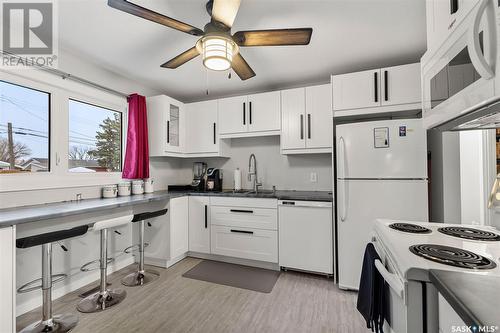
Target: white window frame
[[61, 91]]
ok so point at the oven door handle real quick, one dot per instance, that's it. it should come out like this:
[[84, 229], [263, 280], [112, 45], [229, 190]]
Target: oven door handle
[[391, 279], [478, 59]]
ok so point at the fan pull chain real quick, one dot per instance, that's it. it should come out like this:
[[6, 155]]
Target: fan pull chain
[[206, 77]]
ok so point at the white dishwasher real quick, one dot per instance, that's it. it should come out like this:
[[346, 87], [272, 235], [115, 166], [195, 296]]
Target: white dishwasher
[[306, 236]]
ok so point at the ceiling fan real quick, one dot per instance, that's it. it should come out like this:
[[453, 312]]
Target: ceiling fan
[[219, 49]]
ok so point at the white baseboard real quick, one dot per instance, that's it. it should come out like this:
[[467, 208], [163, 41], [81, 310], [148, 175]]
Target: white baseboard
[[164, 263], [77, 281], [238, 261]]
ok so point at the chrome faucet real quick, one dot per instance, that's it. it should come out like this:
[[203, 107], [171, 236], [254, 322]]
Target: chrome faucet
[[253, 172]]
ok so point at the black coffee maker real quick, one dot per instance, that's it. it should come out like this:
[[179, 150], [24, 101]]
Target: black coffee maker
[[214, 180], [199, 170]]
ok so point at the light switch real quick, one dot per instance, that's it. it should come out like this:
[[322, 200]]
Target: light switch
[[313, 177]]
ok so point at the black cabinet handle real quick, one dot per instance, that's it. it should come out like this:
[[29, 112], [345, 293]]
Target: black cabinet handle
[[244, 114], [168, 131], [242, 231], [308, 125], [302, 127], [241, 211], [250, 114], [453, 6], [375, 81], [386, 85], [215, 133], [206, 216]]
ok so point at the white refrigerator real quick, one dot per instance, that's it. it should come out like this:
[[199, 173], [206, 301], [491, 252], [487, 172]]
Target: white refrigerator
[[381, 173]]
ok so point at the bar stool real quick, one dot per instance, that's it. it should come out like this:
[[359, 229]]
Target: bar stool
[[104, 298], [141, 277], [49, 322]]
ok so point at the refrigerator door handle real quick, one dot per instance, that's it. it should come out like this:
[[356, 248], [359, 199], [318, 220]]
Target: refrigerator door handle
[[343, 212]]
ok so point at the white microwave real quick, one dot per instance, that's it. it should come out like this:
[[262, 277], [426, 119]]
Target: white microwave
[[464, 71]]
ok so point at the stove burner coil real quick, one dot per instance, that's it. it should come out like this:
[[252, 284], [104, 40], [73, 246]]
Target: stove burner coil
[[452, 256], [408, 227], [469, 233]]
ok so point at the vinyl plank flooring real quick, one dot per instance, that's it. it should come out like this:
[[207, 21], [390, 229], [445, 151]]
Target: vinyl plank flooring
[[298, 303]]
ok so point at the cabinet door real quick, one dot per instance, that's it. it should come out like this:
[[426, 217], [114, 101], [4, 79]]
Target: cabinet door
[[319, 122], [233, 115], [401, 84], [179, 230], [7, 279], [264, 112], [356, 90], [199, 224], [175, 126], [201, 123], [293, 120]]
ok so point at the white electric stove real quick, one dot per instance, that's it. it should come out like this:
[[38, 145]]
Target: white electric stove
[[408, 251]]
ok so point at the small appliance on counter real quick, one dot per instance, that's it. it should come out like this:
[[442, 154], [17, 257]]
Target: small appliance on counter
[[199, 170], [214, 180]]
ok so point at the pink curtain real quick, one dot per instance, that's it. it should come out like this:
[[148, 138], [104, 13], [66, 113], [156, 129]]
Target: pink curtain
[[137, 154]]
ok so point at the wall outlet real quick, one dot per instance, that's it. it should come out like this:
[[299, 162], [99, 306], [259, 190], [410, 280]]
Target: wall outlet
[[313, 177]]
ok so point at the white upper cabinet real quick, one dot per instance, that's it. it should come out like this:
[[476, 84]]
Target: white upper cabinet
[[356, 90], [390, 89], [401, 84], [166, 126], [293, 104], [254, 115], [319, 117], [201, 121], [306, 120], [233, 115], [264, 112]]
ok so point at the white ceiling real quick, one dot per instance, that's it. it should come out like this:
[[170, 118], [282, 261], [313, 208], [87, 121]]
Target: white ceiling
[[348, 35]]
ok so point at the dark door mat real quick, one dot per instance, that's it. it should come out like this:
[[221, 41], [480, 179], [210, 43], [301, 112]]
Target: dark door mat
[[239, 276]]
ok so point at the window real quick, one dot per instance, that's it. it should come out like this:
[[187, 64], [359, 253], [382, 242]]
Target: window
[[95, 138], [24, 129]]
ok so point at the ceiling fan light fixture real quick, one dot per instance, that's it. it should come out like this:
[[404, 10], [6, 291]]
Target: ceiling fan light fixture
[[217, 52]]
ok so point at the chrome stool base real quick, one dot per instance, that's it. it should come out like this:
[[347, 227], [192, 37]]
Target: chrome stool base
[[101, 301], [58, 324], [136, 279]]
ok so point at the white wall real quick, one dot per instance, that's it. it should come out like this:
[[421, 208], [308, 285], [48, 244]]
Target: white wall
[[290, 172]]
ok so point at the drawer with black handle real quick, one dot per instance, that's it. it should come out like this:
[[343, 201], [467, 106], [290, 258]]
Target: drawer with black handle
[[246, 243], [246, 217]]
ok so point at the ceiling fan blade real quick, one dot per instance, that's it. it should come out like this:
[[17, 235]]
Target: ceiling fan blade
[[182, 58], [224, 11], [300, 36], [147, 14], [241, 67]]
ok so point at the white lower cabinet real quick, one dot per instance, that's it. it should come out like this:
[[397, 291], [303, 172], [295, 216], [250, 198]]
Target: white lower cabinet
[[246, 243], [7, 279], [244, 228], [199, 224], [168, 236]]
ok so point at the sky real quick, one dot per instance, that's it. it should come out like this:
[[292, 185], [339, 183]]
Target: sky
[[27, 110]]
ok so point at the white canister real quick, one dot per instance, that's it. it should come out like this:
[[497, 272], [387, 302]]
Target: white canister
[[148, 185], [137, 187], [237, 179], [109, 191], [124, 189]]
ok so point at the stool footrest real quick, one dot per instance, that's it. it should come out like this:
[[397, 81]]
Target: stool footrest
[[134, 248], [85, 268], [30, 286]]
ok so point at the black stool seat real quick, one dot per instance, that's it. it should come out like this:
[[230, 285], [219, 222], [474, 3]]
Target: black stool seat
[[149, 215], [50, 237]]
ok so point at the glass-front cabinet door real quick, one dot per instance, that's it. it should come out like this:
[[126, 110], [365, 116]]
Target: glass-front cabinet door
[[173, 127]]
